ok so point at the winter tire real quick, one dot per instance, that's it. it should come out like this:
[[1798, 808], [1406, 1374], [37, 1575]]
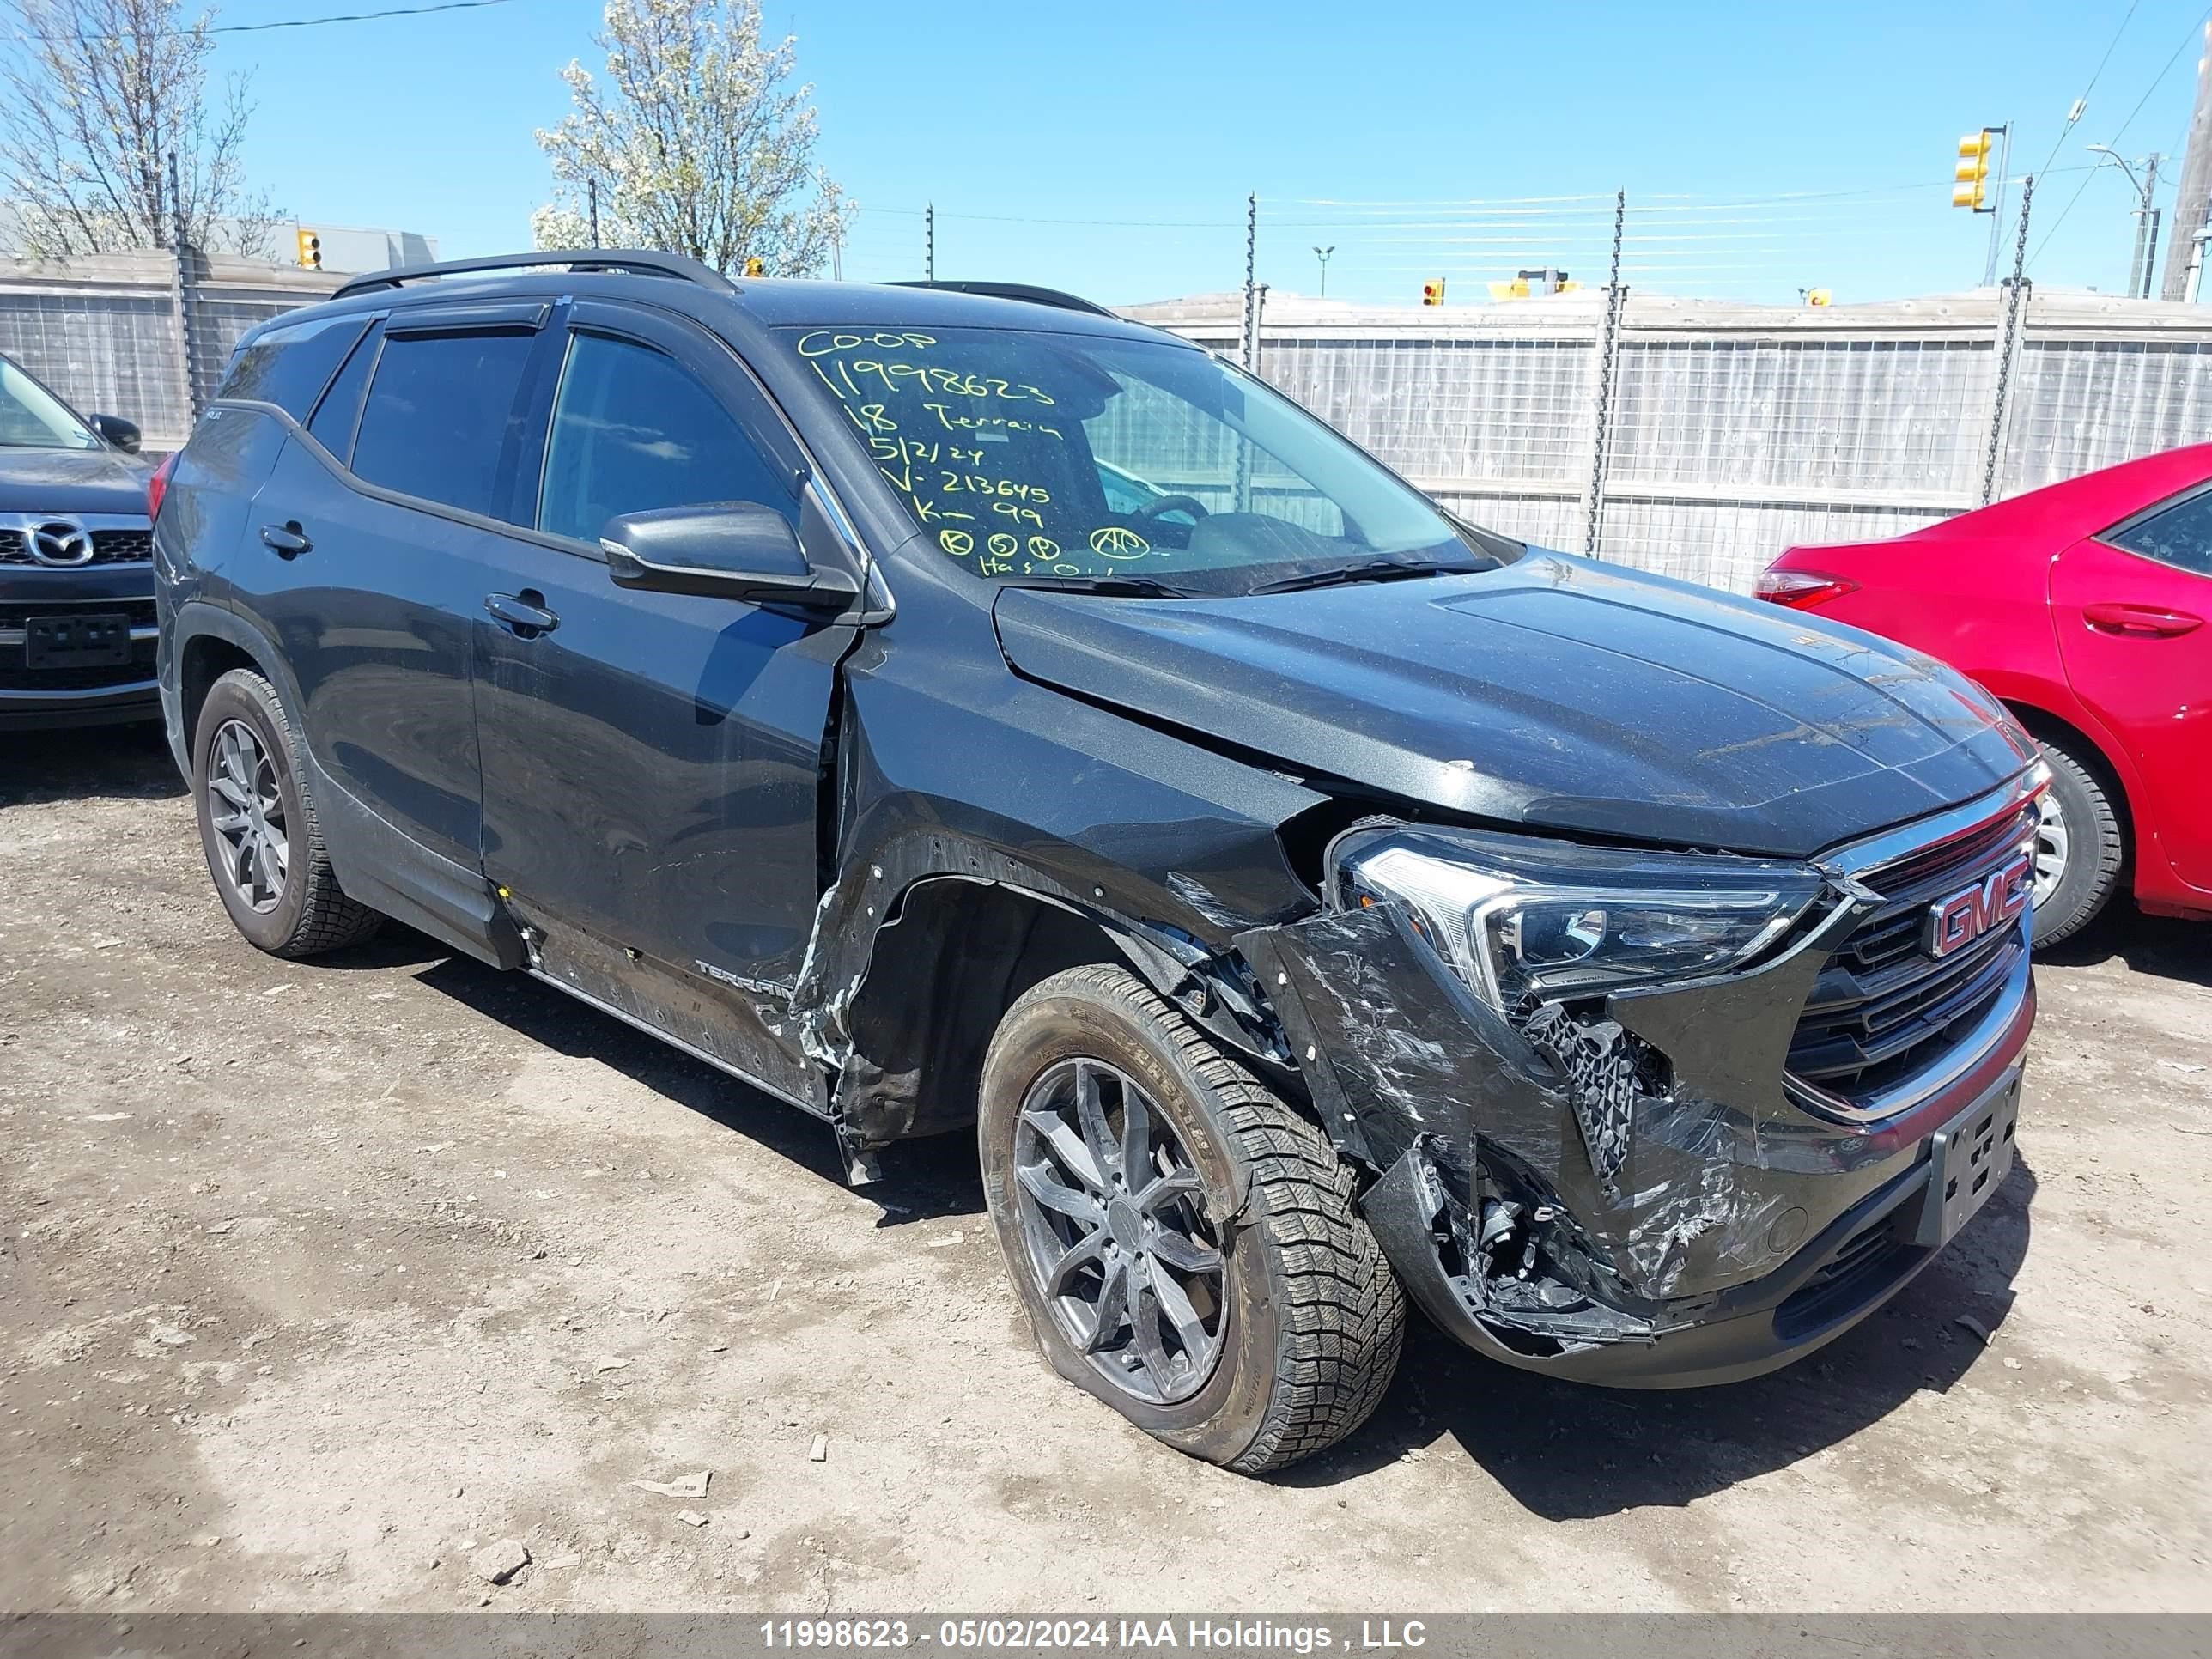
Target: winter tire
[[1184, 1243]]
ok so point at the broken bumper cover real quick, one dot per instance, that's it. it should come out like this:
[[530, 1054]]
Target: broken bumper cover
[[1637, 1196], [1851, 1267]]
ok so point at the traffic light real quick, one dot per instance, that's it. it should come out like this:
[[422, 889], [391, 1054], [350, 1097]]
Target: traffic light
[[1432, 294], [1972, 171], [755, 265], [310, 250], [1819, 297]]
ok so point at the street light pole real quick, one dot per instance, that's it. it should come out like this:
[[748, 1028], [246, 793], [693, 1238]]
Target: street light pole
[[1322, 254], [2143, 258]]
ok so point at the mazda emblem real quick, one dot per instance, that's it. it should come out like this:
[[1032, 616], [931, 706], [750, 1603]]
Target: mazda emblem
[[59, 542]]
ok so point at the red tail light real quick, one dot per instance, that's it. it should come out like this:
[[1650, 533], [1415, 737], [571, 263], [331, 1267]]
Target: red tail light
[[1802, 590], [158, 485]]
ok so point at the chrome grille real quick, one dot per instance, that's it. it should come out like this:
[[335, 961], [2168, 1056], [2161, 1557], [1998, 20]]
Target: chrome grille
[[1883, 1010], [108, 547]]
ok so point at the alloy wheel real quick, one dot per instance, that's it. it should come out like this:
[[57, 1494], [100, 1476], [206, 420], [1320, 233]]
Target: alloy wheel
[[1114, 1216], [2052, 843], [245, 808]]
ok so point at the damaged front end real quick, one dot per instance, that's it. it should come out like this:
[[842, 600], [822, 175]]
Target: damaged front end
[[1578, 1072]]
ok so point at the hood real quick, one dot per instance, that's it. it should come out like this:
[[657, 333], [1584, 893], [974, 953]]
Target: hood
[[1555, 692], [65, 481]]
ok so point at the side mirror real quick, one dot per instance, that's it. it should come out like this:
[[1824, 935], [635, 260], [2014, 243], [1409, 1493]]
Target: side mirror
[[123, 434], [732, 550]]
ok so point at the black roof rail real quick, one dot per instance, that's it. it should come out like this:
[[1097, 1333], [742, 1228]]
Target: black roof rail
[[1035, 296], [634, 261]]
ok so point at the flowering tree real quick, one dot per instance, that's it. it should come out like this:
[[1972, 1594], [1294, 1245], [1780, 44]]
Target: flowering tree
[[95, 95], [692, 142]]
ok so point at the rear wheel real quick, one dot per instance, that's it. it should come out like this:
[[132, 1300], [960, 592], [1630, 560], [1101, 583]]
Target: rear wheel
[[258, 825], [2079, 849], [1184, 1243]]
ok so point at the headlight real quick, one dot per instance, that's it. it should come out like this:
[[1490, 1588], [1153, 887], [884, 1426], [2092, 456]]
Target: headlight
[[1519, 918]]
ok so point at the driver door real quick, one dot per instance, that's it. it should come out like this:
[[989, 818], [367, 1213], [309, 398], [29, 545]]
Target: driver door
[[652, 762]]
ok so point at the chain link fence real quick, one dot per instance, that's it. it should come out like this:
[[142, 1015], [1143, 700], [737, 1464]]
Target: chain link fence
[[1730, 431], [1693, 437], [145, 336]]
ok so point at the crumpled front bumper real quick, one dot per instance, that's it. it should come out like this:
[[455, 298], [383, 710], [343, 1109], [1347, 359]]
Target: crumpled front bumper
[[1632, 1197]]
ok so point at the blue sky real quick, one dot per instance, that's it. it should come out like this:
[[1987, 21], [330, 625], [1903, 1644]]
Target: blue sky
[[1764, 147]]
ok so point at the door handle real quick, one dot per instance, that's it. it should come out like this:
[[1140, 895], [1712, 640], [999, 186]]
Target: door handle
[[523, 615], [2144, 621], [285, 539]]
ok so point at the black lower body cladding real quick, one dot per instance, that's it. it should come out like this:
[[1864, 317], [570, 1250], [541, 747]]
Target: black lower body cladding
[[1630, 1195]]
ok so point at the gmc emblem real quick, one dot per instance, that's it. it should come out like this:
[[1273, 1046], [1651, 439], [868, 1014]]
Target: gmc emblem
[[1990, 903]]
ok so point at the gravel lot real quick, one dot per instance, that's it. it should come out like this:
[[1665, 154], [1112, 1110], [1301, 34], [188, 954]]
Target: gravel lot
[[316, 1280]]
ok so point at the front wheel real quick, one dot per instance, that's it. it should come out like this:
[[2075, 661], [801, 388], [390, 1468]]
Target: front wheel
[[1184, 1243]]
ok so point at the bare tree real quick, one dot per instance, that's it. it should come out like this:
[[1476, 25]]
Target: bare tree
[[695, 142], [97, 94]]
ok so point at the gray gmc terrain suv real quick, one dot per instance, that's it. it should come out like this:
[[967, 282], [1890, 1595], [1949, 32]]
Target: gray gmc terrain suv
[[951, 706]]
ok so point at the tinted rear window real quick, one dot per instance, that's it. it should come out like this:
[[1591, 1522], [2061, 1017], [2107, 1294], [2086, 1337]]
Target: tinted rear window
[[439, 415], [289, 366]]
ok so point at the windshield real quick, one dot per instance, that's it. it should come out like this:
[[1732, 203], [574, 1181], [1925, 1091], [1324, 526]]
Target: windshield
[[31, 417], [1072, 458]]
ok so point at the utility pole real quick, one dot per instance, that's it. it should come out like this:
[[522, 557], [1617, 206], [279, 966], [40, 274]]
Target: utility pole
[[929, 242], [2147, 226], [2189, 212], [176, 207], [2144, 255], [1322, 254]]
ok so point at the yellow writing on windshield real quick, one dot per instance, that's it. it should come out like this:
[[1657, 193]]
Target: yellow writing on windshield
[[1112, 541], [981, 458]]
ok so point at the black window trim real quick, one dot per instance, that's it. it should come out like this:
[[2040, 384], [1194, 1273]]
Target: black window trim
[[2143, 515], [372, 342], [474, 317], [376, 491], [604, 318], [859, 560], [260, 337], [810, 480]]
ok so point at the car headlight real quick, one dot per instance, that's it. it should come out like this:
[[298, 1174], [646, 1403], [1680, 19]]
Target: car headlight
[[1519, 918]]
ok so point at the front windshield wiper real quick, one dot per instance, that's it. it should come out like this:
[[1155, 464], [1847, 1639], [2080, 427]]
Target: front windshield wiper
[[1379, 570], [1138, 588]]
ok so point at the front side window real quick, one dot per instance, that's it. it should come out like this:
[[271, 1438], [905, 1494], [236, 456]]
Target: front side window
[[633, 431], [439, 415], [1072, 457], [31, 417], [2181, 536]]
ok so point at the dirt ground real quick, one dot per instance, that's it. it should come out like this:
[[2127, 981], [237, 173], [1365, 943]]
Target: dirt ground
[[317, 1279]]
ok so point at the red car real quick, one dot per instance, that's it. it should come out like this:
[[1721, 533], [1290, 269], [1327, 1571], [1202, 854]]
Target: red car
[[2083, 607]]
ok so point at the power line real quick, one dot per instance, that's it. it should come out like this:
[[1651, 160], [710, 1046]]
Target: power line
[[289, 23], [356, 16], [2195, 29], [2094, 77]]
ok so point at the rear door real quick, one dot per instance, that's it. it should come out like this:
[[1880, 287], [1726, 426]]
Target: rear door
[[652, 762], [2133, 609], [375, 533]]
